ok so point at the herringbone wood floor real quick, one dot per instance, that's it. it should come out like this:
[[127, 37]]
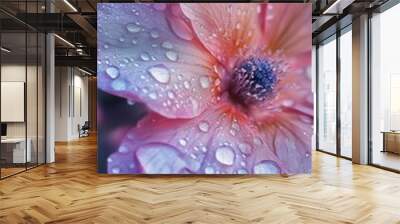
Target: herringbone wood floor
[[70, 191]]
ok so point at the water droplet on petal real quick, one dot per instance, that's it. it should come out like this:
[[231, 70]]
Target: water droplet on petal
[[160, 73], [204, 82], [145, 56], [167, 45], [225, 155], [204, 126], [182, 142], [153, 96], [186, 84], [158, 158], [112, 72], [171, 94], [118, 85], [115, 170], [209, 170], [171, 55], [242, 171], [244, 148], [267, 167], [154, 34], [133, 28]]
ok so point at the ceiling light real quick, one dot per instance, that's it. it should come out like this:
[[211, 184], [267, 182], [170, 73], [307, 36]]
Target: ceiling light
[[70, 5], [5, 50], [338, 6], [65, 41], [84, 71]]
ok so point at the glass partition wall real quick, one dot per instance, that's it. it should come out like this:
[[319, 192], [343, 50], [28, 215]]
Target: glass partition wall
[[385, 89], [22, 77], [334, 86]]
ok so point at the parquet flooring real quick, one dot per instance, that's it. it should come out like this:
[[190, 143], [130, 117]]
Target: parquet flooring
[[70, 191]]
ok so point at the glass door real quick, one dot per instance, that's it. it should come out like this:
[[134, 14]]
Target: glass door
[[327, 96]]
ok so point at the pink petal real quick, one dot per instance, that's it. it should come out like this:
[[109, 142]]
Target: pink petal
[[148, 53], [287, 121], [217, 141], [287, 27], [226, 30]]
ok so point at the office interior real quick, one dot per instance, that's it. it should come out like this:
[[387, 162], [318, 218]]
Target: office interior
[[48, 79]]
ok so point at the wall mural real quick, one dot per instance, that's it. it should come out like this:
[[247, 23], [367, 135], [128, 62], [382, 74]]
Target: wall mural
[[204, 88]]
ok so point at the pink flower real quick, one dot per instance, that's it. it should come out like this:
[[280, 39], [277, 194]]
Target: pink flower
[[227, 86]]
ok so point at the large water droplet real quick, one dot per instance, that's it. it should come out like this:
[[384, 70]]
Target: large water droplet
[[204, 126], [112, 72], [157, 158], [171, 55], [209, 170], [133, 28], [204, 82], [267, 167], [225, 155], [160, 73]]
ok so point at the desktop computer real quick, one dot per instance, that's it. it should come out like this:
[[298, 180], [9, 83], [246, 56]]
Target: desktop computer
[[3, 131]]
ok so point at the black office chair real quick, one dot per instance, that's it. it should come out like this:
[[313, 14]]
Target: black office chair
[[84, 130]]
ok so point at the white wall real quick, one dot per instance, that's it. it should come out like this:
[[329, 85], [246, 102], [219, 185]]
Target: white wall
[[71, 94]]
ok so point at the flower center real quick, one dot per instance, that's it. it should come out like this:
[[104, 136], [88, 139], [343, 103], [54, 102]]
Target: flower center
[[253, 80]]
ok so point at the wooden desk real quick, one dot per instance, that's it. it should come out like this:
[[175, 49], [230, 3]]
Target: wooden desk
[[16, 147], [391, 141]]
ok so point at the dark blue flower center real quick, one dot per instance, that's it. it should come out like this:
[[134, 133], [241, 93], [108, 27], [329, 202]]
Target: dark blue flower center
[[253, 81]]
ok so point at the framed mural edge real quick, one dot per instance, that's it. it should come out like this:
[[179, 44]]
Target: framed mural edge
[[204, 88]]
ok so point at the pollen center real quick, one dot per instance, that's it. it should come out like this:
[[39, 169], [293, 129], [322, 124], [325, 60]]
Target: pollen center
[[253, 80]]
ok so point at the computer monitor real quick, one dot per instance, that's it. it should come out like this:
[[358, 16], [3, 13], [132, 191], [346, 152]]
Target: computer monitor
[[3, 129]]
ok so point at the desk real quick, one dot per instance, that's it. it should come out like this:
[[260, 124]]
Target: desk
[[17, 150], [391, 141]]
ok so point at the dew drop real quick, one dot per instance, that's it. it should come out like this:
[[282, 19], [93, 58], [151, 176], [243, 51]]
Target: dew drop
[[225, 155], [204, 126], [267, 167], [167, 45], [204, 82], [145, 56], [118, 85], [182, 142], [153, 96], [115, 170], [171, 94], [171, 55], [154, 34], [133, 28], [160, 73], [112, 72], [242, 171], [244, 148], [186, 84], [209, 170]]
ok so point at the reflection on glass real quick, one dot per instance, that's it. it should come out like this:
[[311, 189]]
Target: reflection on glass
[[327, 96], [346, 94], [14, 153], [386, 89]]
